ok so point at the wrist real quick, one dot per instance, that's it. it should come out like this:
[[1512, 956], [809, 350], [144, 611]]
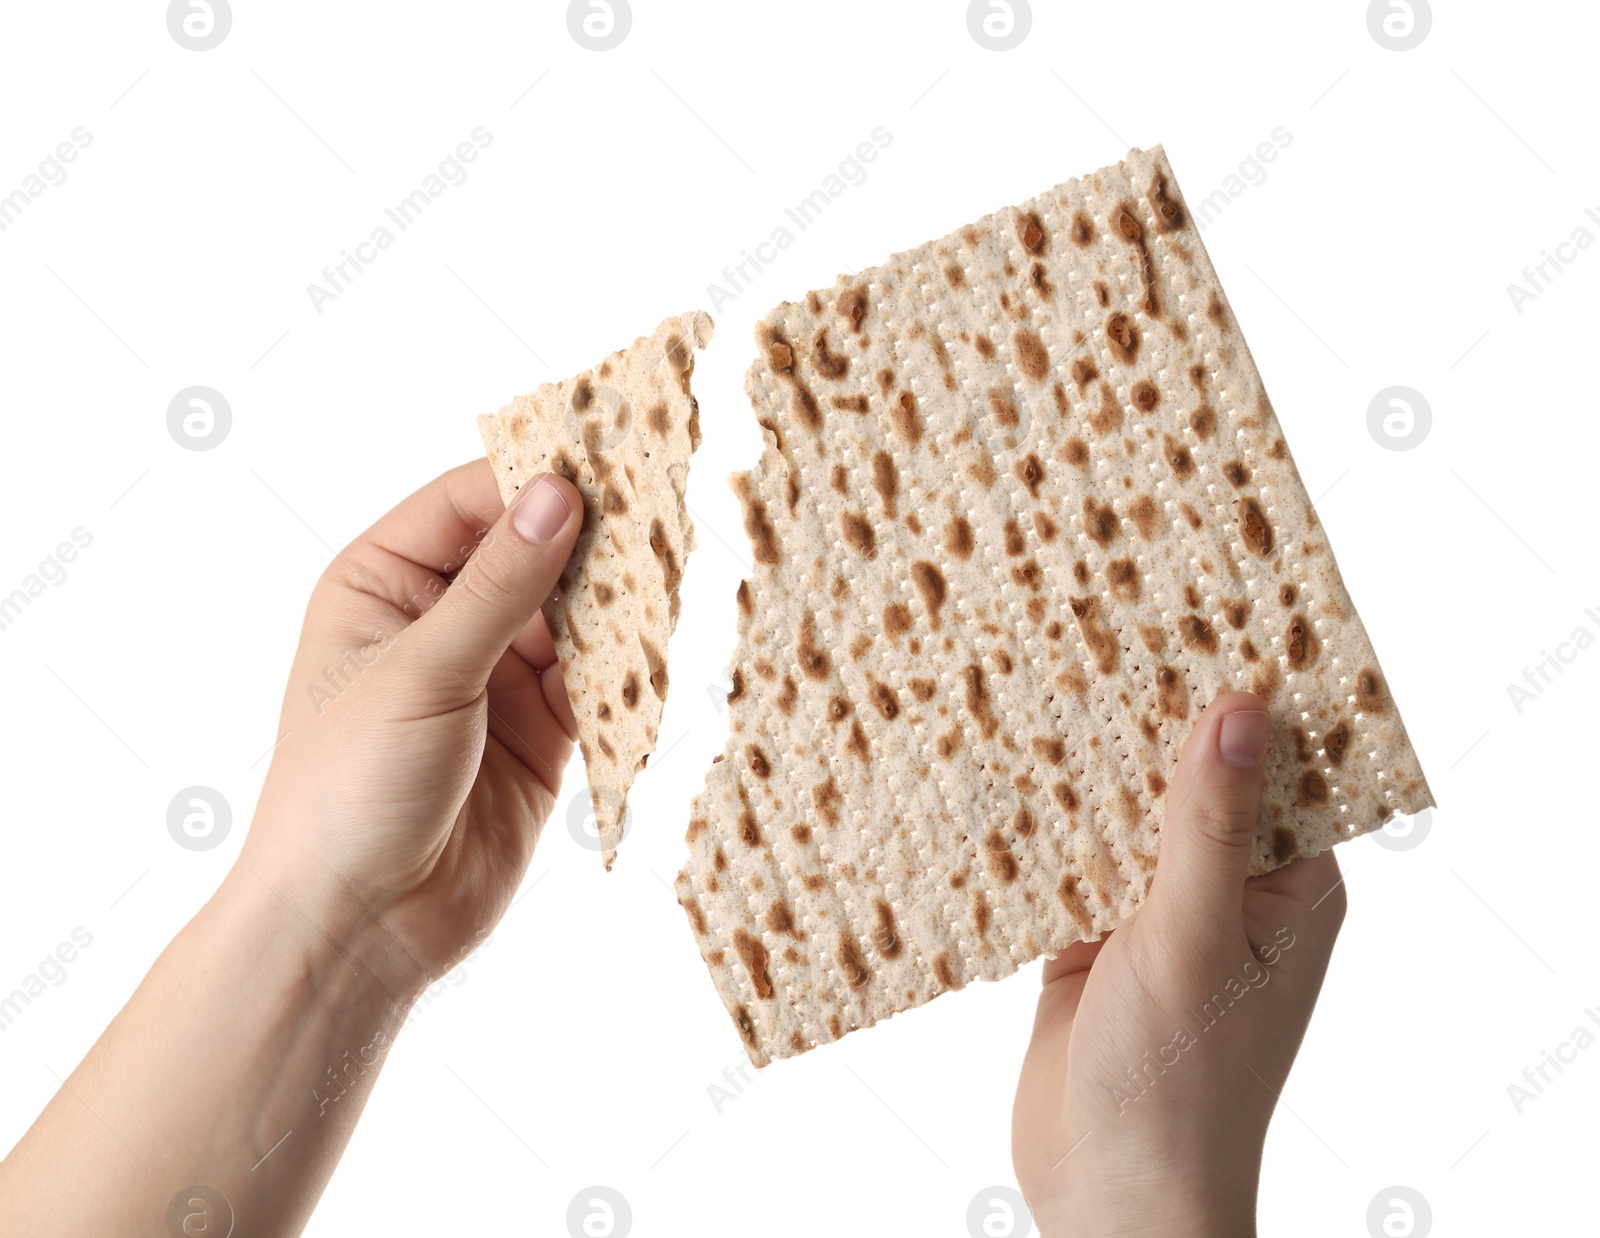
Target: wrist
[[344, 954], [1150, 1205]]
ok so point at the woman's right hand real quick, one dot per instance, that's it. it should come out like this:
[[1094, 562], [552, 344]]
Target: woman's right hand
[[1159, 1051]]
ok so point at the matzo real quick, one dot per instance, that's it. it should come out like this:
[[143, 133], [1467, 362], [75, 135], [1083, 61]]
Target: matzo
[[623, 434], [1023, 510]]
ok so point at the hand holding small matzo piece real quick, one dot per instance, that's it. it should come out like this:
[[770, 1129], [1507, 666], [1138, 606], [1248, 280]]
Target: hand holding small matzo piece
[[417, 772], [1159, 1051], [420, 751]]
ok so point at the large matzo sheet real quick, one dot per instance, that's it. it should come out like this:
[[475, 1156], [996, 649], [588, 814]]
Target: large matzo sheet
[[1023, 509]]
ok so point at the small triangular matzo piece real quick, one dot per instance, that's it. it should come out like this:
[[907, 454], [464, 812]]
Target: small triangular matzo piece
[[622, 433], [1023, 510]]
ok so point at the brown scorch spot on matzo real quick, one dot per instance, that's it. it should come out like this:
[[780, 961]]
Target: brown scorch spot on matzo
[[993, 605]]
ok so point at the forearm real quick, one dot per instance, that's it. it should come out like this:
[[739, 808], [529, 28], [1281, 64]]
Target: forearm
[[241, 1064]]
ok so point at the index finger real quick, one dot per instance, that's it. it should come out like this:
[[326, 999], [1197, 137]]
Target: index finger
[[440, 525], [408, 557]]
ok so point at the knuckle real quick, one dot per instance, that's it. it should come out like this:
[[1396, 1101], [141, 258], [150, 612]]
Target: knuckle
[[1222, 825], [488, 581], [349, 572], [335, 580]]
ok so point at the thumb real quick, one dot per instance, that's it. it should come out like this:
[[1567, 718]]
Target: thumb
[[466, 632], [1212, 805]]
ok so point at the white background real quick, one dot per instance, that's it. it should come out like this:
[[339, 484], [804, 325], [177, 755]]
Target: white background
[[1377, 251]]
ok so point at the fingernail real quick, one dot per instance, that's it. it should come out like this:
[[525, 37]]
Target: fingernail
[[1242, 738], [541, 511]]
